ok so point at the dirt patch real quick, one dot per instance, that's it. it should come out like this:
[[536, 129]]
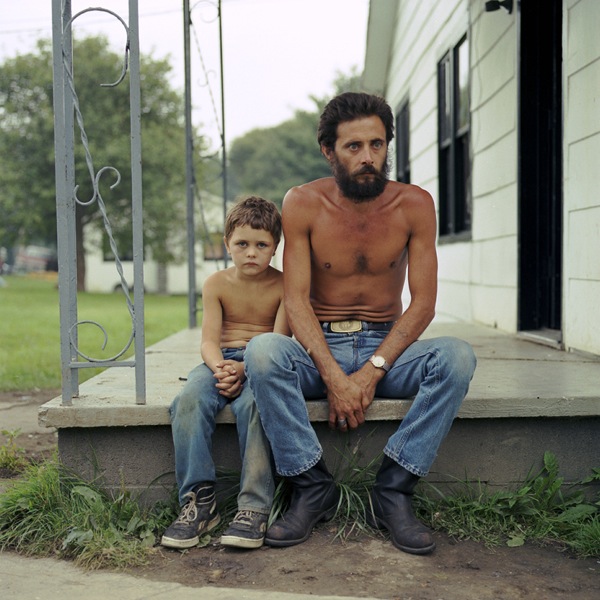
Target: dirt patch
[[372, 568], [18, 412], [362, 567]]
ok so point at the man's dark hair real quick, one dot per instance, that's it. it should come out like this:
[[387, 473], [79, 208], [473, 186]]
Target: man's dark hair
[[348, 107], [256, 212]]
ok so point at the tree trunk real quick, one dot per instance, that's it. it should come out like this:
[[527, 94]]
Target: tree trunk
[[162, 278]]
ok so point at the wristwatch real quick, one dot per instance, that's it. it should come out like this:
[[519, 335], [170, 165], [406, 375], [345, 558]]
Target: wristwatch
[[379, 362]]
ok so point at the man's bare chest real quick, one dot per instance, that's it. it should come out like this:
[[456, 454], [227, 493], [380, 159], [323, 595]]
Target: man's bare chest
[[354, 248]]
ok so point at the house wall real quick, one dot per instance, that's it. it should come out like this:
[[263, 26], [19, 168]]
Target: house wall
[[478, 278], [493, 44], [581, 250]]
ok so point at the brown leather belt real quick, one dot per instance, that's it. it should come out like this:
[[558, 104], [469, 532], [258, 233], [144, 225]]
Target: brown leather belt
[[353, 325]]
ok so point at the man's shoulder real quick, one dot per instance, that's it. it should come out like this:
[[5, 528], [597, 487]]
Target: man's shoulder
[[302, 201], [314, 189], [407, 193]]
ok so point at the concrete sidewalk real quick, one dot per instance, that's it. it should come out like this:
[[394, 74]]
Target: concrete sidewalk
[[24, 578]]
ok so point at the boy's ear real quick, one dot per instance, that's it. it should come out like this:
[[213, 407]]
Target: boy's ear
[[226, 245]]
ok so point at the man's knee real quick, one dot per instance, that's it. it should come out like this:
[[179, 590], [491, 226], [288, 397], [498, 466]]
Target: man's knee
[[461, 357], [262, 350]]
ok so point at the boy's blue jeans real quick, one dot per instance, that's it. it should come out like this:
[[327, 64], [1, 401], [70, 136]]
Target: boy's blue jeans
[[193, 415], [436, 372]]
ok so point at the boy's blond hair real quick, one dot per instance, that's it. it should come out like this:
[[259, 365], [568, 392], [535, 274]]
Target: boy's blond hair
[[256, 212]]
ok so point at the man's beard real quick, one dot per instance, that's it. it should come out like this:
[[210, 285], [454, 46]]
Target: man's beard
[[360, 191]]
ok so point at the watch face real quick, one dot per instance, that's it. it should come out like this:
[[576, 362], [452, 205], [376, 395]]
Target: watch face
[[378, 361]]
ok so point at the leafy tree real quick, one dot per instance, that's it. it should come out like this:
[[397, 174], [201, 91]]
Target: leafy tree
[[270, 161], [27, 180]]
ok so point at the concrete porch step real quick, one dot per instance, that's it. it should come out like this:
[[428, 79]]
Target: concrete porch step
[[525, 399], [514, 378]]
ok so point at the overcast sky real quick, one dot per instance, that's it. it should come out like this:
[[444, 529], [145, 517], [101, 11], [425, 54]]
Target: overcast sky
[[276, 52]]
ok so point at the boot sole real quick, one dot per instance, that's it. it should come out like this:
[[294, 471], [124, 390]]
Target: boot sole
[[326, 516], [168, 542], [378, 523]]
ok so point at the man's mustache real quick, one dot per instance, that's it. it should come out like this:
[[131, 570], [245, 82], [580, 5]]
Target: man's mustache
[[367, 170]]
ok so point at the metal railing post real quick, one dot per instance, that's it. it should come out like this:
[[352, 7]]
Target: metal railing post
[[67, 113]]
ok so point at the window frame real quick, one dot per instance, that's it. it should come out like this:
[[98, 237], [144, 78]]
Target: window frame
[[454, 143], [403, 142]]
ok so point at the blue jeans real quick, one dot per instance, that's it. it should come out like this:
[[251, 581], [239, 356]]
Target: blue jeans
[[436, 372], [193, 415]]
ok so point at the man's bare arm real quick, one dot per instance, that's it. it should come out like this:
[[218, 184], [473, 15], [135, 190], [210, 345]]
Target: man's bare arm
[[422, 281], [345, 398]]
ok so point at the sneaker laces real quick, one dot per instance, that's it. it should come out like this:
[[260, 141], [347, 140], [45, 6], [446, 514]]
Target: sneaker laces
[[244, 517], [189, 513]]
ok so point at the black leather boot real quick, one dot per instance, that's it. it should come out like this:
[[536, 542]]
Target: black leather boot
[[314, 498], [391, 501]]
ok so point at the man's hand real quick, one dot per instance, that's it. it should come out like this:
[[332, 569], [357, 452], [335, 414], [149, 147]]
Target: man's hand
[[367, 379], [350, 398], [345, 404]]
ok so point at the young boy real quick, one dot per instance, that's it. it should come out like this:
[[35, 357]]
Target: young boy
[[239, 303]]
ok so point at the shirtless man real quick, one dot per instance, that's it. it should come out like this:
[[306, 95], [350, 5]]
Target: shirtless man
[[349, 242], [239, 303]]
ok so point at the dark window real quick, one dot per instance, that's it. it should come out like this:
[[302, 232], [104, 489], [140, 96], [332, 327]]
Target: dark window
[[402, 144], [454, 142], [213, 246]]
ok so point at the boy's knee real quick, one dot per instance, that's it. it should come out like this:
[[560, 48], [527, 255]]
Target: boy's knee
[[182, 405]]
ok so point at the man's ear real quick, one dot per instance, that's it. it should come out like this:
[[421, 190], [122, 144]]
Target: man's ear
[[326, 152]]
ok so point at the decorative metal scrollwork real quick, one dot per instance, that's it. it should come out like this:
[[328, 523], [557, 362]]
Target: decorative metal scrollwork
[[97, 196]]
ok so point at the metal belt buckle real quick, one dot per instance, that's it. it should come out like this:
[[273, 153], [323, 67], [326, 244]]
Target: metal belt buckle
[[349, 326]]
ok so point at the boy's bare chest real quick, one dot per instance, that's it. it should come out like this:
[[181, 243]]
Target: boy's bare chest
[[251, 303]]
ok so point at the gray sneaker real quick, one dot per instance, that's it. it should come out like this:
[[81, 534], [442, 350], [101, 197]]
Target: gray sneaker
[[247, 530], [197, 517]]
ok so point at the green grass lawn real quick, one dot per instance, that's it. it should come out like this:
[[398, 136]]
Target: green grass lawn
[[30, 330]]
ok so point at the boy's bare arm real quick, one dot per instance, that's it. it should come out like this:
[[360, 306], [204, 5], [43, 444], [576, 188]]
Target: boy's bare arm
[[212, 321]]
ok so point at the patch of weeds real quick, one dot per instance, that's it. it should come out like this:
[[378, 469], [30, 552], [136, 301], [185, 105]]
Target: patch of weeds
[[354, 483], [12, 457], [541, 510], [49, 511]]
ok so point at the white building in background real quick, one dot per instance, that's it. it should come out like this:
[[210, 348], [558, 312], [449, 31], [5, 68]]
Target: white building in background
[[498, 117], [101, 271]]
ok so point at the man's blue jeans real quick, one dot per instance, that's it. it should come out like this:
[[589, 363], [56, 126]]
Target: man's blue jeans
[[436, 372], [193, 415]]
